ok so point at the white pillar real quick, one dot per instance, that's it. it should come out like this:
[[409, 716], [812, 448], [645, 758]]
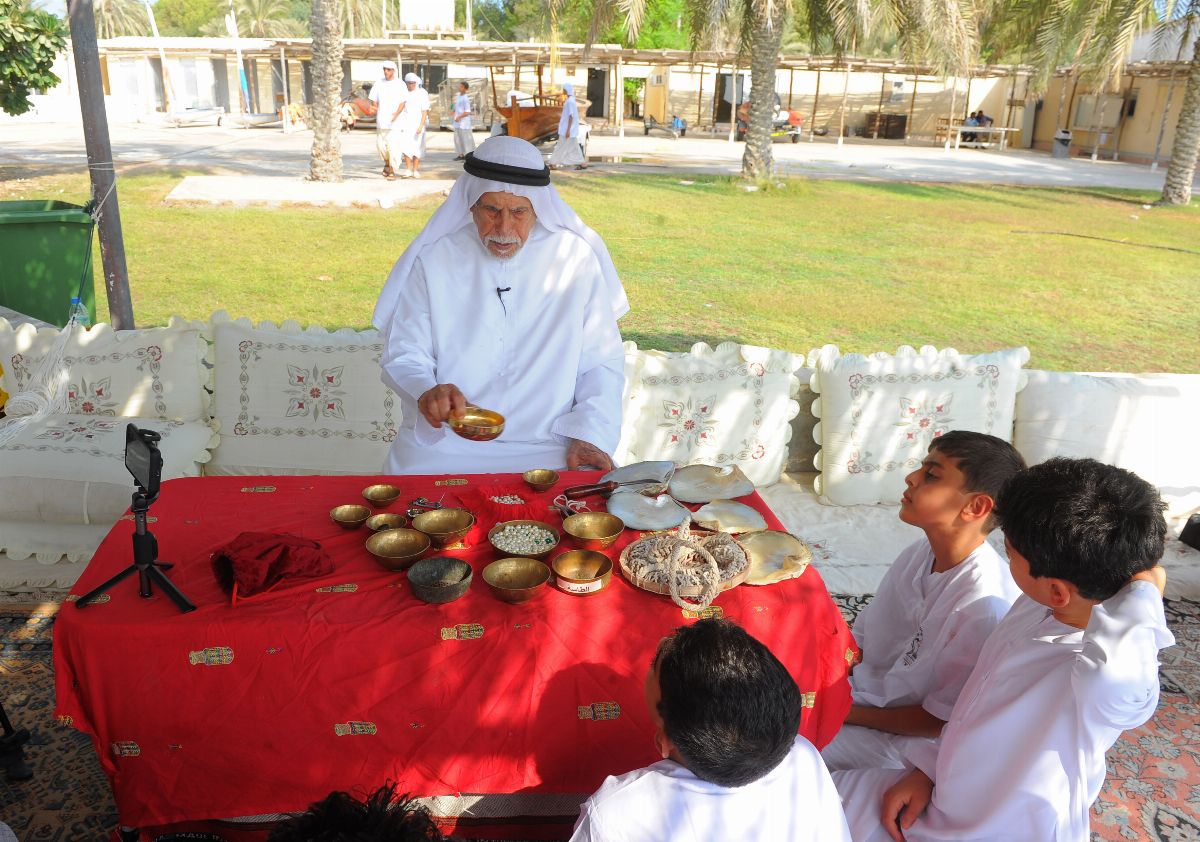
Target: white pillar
[[287, 108]]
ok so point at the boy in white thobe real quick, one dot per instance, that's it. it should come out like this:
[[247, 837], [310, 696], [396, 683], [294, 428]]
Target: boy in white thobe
[[1073, 664], [726, 713], [507, 300], [388, 95], [567, 150], [937, 604], [464, 140], [411, 124]]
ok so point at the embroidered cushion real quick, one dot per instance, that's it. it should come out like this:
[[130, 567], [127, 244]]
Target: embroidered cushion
[[724, 406], [152, 373], [878, 414], [71, 468], [300, 401]]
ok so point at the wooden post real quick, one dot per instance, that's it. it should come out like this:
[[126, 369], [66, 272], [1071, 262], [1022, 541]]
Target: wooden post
[[100, 163], [842, 117], [287, 107], [812, 125], [953, 107], [967, 102], [791, 84], [733, 107], [620, 98], [912, 105], [539, 73], [516, 71], [700, 100], [1012, 94], [492, 74], [879, 110]]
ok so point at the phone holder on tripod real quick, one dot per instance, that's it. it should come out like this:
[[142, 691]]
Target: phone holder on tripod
[[144, 462]]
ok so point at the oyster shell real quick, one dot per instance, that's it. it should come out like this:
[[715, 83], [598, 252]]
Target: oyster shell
[[639, 511], [729, 516], [660, 472], [774, 556], [702, 483]]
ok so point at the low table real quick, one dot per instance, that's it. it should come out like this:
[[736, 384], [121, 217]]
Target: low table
[[346, 681], [958, 130]]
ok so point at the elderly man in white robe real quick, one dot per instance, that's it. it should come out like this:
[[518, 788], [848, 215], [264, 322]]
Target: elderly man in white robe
[[506, 301]]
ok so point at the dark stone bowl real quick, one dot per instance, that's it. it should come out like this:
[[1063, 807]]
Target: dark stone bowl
[[439, 579]]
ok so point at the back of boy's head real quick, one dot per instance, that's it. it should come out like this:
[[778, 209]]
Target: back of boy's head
[[728, 705], [1090, 524], [986, 462], [340, 817]]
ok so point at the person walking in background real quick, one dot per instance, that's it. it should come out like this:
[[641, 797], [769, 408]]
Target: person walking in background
[[388, 95], [568, 151], [464, 141], [412, 125]]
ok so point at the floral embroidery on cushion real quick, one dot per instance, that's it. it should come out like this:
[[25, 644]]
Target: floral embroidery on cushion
[[93, 398], [315, 392], [77, 430], [924, 420], [689, 423]]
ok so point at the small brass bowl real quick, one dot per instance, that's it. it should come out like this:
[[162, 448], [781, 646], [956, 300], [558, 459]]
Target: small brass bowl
[[445, 527], [387, 520], [350, 516], [478, 424], [582, 572], [509, 551], [540, 479], [516, 579], [397, 549], [439, 579], [381, 495], [594, 530]]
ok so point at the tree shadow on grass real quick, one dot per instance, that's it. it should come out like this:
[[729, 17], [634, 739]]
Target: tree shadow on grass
[[674, 341]]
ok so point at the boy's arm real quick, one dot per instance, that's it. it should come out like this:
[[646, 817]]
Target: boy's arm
[[908, 720], [904, 803], [1115, 676]]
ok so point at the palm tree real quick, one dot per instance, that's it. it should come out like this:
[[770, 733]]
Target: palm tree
[[115, 18], [1181, 172], [325, 163], [360, 18], [261, 18]]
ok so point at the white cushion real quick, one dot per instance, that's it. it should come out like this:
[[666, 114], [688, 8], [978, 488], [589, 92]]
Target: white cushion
[[1146, 423], [725, 406], [296, 401], [152, 373], [71, 468], [878, 414]]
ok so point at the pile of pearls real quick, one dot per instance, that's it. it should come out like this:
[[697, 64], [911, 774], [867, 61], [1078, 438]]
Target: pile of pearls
[[511, 499], [523, 538]]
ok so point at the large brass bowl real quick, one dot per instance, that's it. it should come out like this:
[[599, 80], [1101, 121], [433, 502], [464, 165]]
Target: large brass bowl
[[516, 579], [540, 479], [594, 530], [350, 517], [439, 579], [381, 495], [582, 572], [509, 551], [478, 424], [445, 527], [397, 549], [386, 520]]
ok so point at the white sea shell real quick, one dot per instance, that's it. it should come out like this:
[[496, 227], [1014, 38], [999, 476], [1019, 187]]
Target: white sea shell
[[774, 556], [638, 511], [660, 472], [729, 516], [701, 483]]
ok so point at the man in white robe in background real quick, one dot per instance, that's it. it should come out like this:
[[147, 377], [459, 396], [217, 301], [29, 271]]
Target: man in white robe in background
[[568, 152], [411, 125], [388, 96], [506, 301], [464, 141]]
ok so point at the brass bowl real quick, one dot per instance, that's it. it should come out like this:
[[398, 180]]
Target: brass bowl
[[540, 479], [350, 516], [387, 520], [439, 579], [508, 551], [478, 424], [594, 530], [445, 527], [582, 572], [516, 579], [381, 495], [397, 549]]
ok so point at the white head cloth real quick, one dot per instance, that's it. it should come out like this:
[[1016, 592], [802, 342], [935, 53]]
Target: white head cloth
[[552, 213], [412, 77], [388, 65]]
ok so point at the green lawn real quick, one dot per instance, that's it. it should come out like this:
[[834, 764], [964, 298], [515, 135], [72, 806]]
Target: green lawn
[[865, 266]]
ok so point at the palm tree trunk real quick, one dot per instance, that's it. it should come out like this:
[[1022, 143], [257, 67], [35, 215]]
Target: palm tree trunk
[[326, 23], [757, 160], [1182, 170]]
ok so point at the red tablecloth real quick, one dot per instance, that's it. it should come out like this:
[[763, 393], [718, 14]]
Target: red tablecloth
[[349, 680]]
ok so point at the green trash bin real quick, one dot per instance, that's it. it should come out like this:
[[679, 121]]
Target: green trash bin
[[46, 258]]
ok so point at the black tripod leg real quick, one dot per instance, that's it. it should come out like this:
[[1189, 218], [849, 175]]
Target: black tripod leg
[[92, 594], [12, 753], [181, 602]]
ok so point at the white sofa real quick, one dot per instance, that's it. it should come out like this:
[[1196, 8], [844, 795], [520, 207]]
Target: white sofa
[[230, 397]]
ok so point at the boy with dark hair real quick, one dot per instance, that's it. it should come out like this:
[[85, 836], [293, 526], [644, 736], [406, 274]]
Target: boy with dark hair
[[339, 817], [726, 713], [935, 607], [1073, 664]]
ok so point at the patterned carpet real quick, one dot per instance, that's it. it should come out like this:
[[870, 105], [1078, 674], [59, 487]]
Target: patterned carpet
[[1152, 792]]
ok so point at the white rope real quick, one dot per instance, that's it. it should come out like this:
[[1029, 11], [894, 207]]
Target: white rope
[[46, 392], [712, 583]]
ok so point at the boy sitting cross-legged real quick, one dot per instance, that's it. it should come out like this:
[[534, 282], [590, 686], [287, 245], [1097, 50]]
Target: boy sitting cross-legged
[[726, 713], [1074, 663], [935, 607]]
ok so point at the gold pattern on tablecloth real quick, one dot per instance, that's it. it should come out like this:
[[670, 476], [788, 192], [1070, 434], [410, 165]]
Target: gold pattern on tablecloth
[[126, 749], [712, 612], [808, 699], [149, 518], [258, 489], [349, 587], [599, 711], [64, 720], [851, 657], [463, 631], [213, 656], [354, 729], [450, 482]]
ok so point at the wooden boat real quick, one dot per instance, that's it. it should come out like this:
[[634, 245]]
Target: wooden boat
[[538, 122]]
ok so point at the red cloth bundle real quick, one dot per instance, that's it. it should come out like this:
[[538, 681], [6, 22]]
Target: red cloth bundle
[[255, 561], [486, 510]]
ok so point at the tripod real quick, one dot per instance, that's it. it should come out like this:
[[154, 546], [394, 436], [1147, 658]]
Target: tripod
[[12, 755]]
